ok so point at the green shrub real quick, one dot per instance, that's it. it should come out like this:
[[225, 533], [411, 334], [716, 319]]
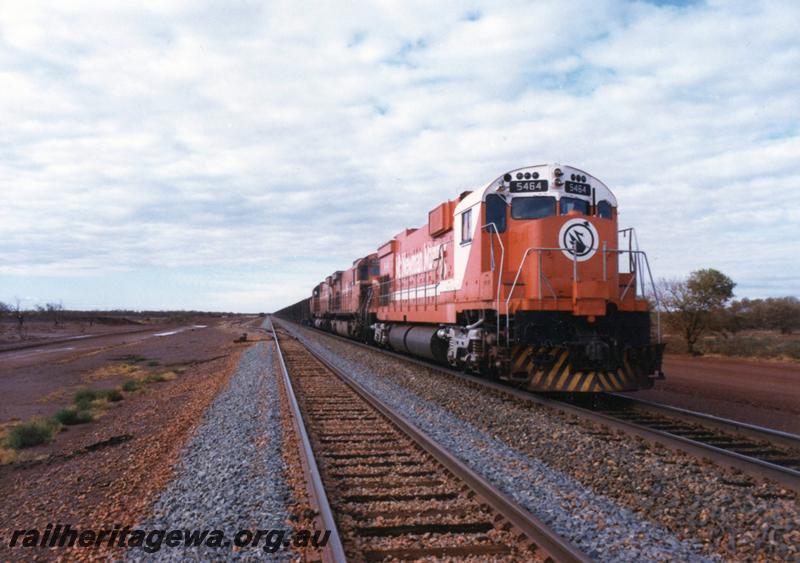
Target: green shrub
[[70, 416], [153, 363], [791, 349], [758, 345], [112, 395], [32, 433], [155, 378], [131, 385], [84, 397]]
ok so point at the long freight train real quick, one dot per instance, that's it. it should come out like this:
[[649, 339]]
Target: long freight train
[[527, 279]]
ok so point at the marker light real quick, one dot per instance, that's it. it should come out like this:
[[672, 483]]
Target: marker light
[[557, 172]]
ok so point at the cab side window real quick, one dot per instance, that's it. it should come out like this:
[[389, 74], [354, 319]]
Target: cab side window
[[568, 204], [496, 212], [604, 210], [466, 226]]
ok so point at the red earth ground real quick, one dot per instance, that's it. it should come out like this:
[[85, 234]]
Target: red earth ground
[[108, 471], [764, 393], [38, 380]]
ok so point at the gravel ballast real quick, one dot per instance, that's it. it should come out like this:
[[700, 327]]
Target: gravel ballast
[[616, 497], [231, 475]]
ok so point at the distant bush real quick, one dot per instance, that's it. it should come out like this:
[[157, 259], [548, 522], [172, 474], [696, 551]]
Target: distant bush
[[153, 363], [32, 433], [71, 416], [83, 398], [155, 378], [132, 385], [781, 314], [112, 395], [754, 346]]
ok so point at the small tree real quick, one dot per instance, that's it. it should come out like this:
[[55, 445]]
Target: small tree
[[55, 312], [19, 315], [5, 308], [52, 311], [696, 304]]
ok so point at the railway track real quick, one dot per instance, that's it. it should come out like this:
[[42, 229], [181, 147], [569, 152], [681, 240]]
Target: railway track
[[386, 490], [761, 452], [765, 444]]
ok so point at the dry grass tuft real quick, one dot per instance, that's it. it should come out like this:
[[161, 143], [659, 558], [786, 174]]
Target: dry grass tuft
[[113, 370], [88, 405], [7, 453], [32, 433], [57, 395]]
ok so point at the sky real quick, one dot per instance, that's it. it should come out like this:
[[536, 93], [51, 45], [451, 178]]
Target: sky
[[230, 155]]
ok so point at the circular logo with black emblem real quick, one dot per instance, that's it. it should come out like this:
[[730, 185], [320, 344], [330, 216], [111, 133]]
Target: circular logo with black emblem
[[578, 239]]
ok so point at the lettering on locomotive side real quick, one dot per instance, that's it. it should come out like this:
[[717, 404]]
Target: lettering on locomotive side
[[423, 260]]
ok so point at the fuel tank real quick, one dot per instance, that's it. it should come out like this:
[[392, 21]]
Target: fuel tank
[[418, 341]]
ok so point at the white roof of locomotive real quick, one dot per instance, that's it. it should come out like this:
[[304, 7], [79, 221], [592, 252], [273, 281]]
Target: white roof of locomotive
[[545, 172]]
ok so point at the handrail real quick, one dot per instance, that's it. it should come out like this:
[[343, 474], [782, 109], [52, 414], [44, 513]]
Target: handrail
[[633, 243], [539, 250], [500, 271], [656, 297], [638, 260], [637, 255]]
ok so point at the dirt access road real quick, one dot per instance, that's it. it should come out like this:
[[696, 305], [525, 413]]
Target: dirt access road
[[35, 380]]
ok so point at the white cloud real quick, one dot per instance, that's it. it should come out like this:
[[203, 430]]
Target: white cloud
[[209, 135]]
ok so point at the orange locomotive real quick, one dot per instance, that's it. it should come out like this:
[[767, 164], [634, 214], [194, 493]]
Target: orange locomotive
[[523, 280]]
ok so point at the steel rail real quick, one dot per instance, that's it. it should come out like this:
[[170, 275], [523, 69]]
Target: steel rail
[[784, 476], [333, 550], [786, 439], [554, 546]]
